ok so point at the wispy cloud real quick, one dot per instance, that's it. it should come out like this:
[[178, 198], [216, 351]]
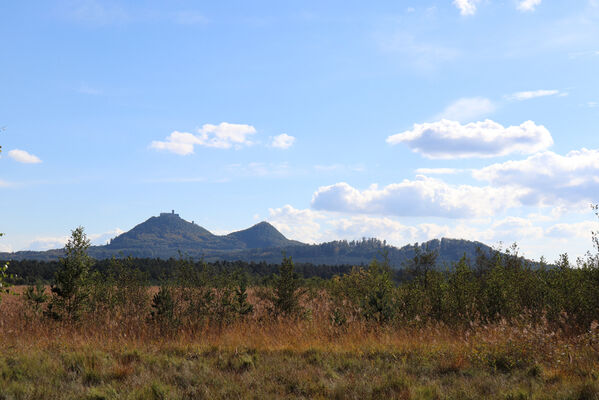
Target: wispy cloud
[[531, 94], [584, 54], [417, 53], [467, 109], [98, 13], [528, 5], [23, 157], [95, 13], [190, 17], [84, 88]]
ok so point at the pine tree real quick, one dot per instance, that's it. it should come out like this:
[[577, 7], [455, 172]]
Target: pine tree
[[70, 290], [240, 303], [287, 293]]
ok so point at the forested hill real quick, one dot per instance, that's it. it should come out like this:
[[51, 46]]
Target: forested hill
[[169, 236]]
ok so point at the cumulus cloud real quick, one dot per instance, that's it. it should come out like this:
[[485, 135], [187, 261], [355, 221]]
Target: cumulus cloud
[[449, 139], [531, 94], [181, 143], [466, 7], [417, 198], [467, 109], [23, 157], [297, 224], [282, 141], [572, 230], [222, 136], [516, 227], [536, 236], [550, 178], [384, 228], [528, 5]]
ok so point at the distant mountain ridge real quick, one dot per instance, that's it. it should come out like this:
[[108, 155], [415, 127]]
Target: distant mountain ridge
[[168, 235]]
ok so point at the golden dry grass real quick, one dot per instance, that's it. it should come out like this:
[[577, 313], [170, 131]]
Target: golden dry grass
[[261, 357]]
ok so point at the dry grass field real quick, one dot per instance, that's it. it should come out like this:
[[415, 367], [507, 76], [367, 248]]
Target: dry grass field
[[259, 357]]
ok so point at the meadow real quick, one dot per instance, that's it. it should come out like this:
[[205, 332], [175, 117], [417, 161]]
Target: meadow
[[498, 327]]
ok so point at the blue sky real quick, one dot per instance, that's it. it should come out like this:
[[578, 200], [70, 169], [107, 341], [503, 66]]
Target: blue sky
[[403, 120]]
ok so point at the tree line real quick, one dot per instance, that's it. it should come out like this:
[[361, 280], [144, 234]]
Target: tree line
[[492, 288]]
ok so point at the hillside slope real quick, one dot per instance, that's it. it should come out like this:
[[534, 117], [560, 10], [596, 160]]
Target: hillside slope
[[168, 236]]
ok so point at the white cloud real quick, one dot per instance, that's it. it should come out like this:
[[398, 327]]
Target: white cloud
[[418, 198], [23, 157], [225, 135], [528, 5], [536, 236], [181, 143], [297, 224], [466, 7], [282, 141], [516, 227], [580, 230], [550, 178], [527, 95], [222, 136], [449, 139], [467, 109]]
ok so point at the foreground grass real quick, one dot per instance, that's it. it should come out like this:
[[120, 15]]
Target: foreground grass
[[265, 358], [89, 368]]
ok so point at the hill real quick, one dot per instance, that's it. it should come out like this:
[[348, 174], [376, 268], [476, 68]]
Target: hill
[[262, 235], [168, 235]]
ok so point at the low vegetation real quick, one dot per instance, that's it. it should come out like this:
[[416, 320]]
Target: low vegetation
[[494, 327]]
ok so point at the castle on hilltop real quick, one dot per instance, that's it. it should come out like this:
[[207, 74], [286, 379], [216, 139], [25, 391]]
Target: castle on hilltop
[[171, 214]]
